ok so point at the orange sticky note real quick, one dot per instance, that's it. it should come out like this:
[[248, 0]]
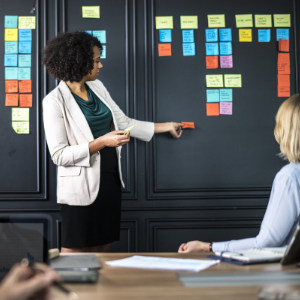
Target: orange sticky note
[[11, 99], [212, 109], [283, 64], [212, 62], [25, 100], [164, 49], [25, 86], [284, 45], [283, 80], [284, 91], [11, 86], [188, 125]]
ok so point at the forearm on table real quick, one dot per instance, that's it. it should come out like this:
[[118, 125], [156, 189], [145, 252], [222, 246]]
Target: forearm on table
[[162, 127], [234, 245]]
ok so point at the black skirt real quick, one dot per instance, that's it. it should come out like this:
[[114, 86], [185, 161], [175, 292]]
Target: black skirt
[[99, 223]]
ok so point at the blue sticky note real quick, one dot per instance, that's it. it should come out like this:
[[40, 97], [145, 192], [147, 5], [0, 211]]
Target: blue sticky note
[[25, 35], [212, 48], [188, 49], [24, 73], [225, 48], [103, 53], [11, 22], [24, 47], [10, 60], [211, 35], [25, 60], [11, 73], [264, 35], [165, 35], [89, 32], [225, 95], [213, 95], [225, 35], [188, 36], [282, 34], [11, 47], [100, 35]]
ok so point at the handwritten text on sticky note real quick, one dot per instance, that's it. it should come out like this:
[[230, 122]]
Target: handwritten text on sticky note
[[27, 22], [189, 22], [213, 80], [164, 22], [243, 21], [233, 80], [92, 12], [215, 21]]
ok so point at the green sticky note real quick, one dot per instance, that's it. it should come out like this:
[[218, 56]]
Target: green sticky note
[[24, 60], [189, 22], [91, 12], [164, 22], [263, 20], [233, 80], [21, 127], [216, 20], [11, 73], [24, 73], [282, 20], [20, 114], [243, 21], [27, 22], [10, 21], [11, 47], [214, 80]]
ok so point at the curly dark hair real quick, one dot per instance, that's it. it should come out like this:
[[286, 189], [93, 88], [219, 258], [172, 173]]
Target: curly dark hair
[[69, 56]]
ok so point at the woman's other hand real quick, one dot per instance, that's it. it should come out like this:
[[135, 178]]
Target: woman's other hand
[[194, 246], [174, 128]]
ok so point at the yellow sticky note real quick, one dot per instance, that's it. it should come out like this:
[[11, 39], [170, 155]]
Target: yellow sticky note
[[282, 20], [216, 20], [10, 35], [164, 22], [20, 114], [189, 22], [233, 80], [21, 127], [243, 21], [91, 12], [263, 20], [214, 80], [245, 35], [27, 22]]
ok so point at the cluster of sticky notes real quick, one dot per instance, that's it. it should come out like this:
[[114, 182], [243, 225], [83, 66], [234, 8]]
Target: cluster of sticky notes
[[188, 24], [92, 12], [164, 24], [20, 120], [101, 36], [219, 102]]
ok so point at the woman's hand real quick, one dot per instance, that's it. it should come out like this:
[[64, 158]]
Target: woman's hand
[[194, 246], [174, 128]]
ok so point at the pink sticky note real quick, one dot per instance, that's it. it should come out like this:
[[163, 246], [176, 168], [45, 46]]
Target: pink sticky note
[[226, 61], [225, 108]]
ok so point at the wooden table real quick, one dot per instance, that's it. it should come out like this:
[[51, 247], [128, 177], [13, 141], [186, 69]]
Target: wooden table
[[124, 283]]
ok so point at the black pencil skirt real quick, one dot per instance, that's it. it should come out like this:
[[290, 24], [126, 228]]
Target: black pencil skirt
[[99, 223]]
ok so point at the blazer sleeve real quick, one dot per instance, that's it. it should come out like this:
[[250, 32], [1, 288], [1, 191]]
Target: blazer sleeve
[[61, 152]]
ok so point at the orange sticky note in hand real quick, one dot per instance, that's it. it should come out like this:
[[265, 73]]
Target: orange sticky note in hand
[[212, 109], [188, 125], [12, 100], [284, 91], [11, 86], [164, 49], [212, 62], [284, 45], [283, 64], [25, 100], [25, 86], [284, 80]]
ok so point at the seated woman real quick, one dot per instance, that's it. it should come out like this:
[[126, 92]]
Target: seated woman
[[283, 211]]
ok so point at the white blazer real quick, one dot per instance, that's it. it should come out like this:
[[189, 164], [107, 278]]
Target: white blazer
[[68, 135]]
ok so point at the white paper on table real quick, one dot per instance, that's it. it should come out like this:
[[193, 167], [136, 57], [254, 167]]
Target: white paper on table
[[163, 263]]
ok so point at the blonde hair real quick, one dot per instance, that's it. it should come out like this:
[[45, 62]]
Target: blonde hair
[[287, 129]]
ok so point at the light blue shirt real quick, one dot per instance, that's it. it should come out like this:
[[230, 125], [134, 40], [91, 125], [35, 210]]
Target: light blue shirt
[[281, 218]]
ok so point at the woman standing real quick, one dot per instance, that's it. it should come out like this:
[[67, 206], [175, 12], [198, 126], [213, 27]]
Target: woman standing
[[85, 132]]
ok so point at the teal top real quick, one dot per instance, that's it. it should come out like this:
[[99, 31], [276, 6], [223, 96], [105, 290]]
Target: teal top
[[97, 114]]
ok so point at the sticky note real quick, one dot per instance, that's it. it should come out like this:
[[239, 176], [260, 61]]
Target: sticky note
[[212, 48], [283, 64], [100, 35], [263, 20], [283, 80], [216, 21], [188, 49], [225, 48], [25, 86], [20, 114], [11, 47], [233, 80], [92, 12], [213, 95], [10, 35], [24, 60], [284, 45], [21, 127], [89, 32], [243, 21], [212, 62], [11, 86], [10, 60], [264, 35], [225, 95], [282, 34], [213, 80], [188, 36], [211, 35], [103, 52], [24, 47], [284, 91], [25, 100], [188, 125], [164, 50], [225, 34], [245, 35], [212, 109], [11, 73], [282, 20], [189, 22], [164, 22], [11, 22], [225, 108], [226, 61], [24, 73], [26, 22], [12, 100], [165, 35], [25, 35]]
